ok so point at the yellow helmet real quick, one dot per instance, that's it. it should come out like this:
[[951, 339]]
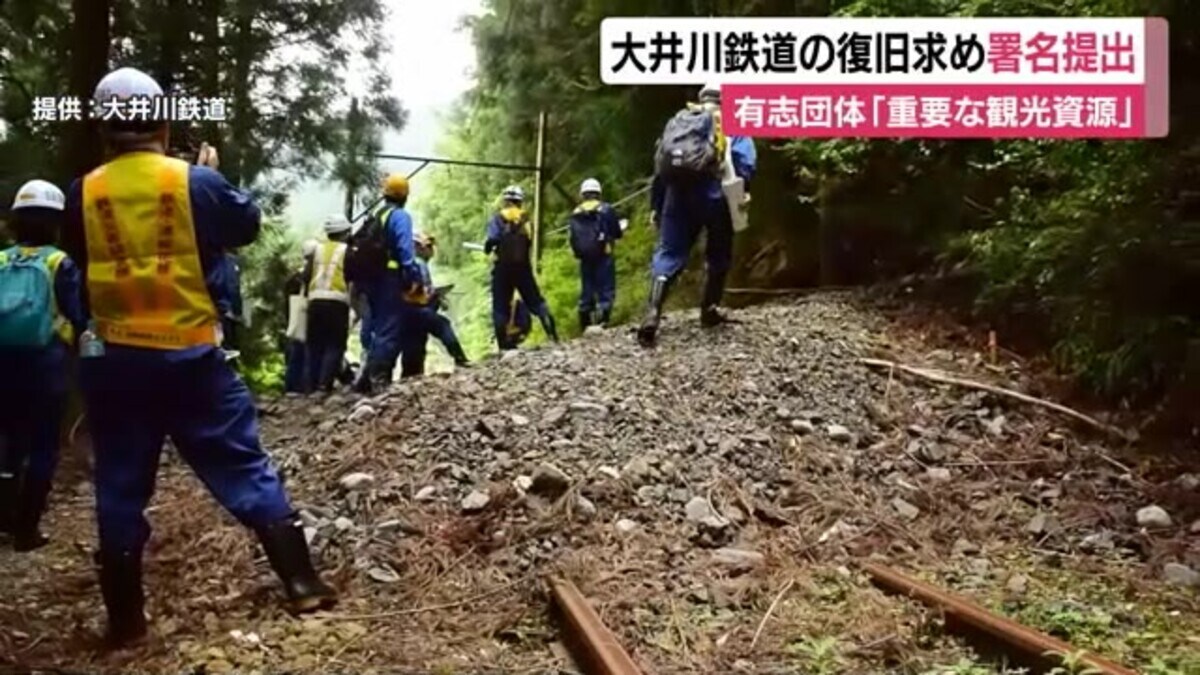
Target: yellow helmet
[[395, 185]]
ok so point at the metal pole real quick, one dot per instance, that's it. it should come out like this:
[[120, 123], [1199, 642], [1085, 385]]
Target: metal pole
[[539, 191], [351, 188], [458, 162]]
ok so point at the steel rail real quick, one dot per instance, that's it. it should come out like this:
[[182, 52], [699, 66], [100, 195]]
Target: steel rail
[[593, 646], [1032, 647]]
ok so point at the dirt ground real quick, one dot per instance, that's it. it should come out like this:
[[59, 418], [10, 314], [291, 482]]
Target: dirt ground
[[713, 498]]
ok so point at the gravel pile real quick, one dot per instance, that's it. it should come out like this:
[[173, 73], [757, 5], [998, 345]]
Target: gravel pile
[[685, 490]]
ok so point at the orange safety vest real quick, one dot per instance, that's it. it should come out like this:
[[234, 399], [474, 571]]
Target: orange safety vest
[[145, 283]]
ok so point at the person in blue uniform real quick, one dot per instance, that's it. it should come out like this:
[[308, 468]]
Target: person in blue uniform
[[681, 213], [511, 242], [34, 357], [387, 313], [148, 230], [594, 229], [422, 301]]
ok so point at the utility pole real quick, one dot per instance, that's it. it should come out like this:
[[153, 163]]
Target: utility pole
[[351, 188], [539, 191]]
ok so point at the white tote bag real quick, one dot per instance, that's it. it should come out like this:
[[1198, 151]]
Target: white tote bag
[[735, 191], [297, 327]]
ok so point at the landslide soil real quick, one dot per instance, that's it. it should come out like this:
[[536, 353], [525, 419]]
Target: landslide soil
[[712, 498]]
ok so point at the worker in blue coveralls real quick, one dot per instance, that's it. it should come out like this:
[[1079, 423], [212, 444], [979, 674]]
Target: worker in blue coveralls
[[422, 302], [35, 337], [148, 230], [681, 212], [594, 228], [511, 243], [386, 313]]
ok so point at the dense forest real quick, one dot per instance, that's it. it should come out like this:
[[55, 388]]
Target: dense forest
[[1084, 251], [1087, 252]]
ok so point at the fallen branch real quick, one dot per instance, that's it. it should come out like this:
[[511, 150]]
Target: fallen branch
[[999, 391]]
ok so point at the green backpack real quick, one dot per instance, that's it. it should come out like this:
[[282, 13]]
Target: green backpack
[[27, 296]]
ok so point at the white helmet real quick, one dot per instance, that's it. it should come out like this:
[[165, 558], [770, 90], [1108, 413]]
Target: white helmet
[[590, 186], [309, 247], [336, 224], [710, 93], [513, 193], [125, 83], [39, 194]]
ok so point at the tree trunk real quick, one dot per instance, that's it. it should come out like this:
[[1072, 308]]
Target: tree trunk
[[210, 68], [83, 150], [243, 118]]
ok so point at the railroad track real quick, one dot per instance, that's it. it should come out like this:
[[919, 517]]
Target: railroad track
[[597, 652]]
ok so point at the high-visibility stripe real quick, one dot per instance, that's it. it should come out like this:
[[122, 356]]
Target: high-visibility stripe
[[329, 277]]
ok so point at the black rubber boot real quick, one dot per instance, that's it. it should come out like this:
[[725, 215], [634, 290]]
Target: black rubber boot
[[121, 587], [585, 320], [456, 352], [648, 331], [8, 501], [605, 317], [714, 288], [379, 377], [31, 504], [502, 341], [287, 550], [547, 320], [362, 382]]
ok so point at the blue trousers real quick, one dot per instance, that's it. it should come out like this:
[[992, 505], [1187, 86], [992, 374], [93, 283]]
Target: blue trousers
[[413, 340], [136, 398], [295, 361], [421, 323], [598, 280], [33, 400], [505, 281], [387, 324], [687, 213]]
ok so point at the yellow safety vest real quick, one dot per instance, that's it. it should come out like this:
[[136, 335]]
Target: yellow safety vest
[[145, 282], [329, 273], [62, 328]]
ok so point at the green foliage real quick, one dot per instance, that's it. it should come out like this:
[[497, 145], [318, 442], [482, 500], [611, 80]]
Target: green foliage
[[819, 656], [1081, 246], [266, 265], [282, 65]]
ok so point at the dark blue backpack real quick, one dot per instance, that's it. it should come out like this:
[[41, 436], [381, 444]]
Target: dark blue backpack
[[586, 227]]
